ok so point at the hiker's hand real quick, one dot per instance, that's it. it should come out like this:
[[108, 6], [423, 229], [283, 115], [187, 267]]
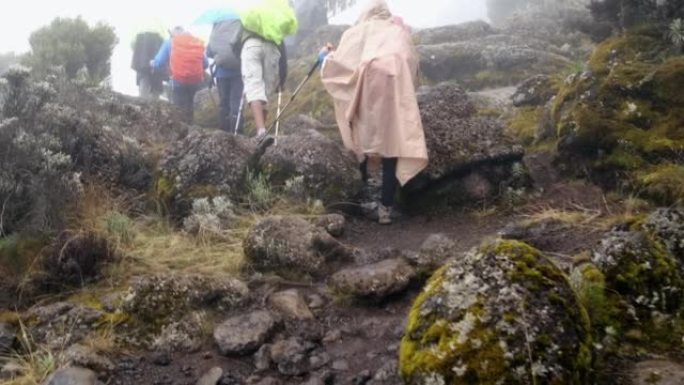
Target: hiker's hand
[[325, 51]]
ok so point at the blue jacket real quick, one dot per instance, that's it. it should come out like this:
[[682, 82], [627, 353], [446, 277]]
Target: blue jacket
[[161, 61]]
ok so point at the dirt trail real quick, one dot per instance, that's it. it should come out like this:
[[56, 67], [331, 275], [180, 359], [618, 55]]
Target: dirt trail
[[362, 339]]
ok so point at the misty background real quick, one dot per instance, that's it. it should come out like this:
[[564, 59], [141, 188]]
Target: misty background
[[128, 16]]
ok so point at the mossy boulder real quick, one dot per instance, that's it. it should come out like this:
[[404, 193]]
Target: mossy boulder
[[502, 314], [470, 157], [205, 164], [622, 121], [308, 165], [639, 268]]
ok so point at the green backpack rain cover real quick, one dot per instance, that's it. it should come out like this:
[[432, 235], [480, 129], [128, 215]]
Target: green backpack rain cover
[[273, 20]]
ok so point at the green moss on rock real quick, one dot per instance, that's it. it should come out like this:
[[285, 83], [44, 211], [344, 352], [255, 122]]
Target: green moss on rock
[[502, 314]]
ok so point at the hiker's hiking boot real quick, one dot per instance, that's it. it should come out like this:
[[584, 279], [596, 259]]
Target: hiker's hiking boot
[[384, 215]]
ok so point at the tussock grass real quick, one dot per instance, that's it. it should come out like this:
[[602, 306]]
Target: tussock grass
[[35, 362]]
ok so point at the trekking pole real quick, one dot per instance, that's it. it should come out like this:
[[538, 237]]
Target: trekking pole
[[292, 98], [239, 115], [277, 124]]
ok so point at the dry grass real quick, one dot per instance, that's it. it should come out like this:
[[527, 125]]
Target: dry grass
[[35, 363]]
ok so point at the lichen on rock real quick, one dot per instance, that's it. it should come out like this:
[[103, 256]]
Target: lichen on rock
[[501, 314]]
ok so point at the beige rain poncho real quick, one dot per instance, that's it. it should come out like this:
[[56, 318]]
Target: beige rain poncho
[[371, 79]]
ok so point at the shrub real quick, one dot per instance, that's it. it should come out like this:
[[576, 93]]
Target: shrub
[[75, 46]]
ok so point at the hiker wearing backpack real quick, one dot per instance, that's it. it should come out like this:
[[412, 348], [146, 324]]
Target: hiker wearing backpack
[[150, 82], [264, 59], [185, 58], [225, 44]]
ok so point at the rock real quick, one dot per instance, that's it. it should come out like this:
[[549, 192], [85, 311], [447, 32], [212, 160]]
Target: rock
[[72, 376], [49, 322], [291, 304], [314, 381], [310, 166], [290, 356], [314, 41], [333, 223], [262, 358], [453, 33], [471, 322], [362, 378], [492, 60], [535, 91], [165, 298], [231, 379], [469, 155], [340, 365], [8, 335], [290, 244], [657, 372], [205, 164], [161, 358], [212, 377], [185, 335], [545, 234], [434, 252], [635, 267], [300, 122], [75, 259], [244, 334], [332, 336], [266, 381], [206, 108], [82, 356], [388, 374], [668, 225], [377, 281], [316, 301], [319, 359]]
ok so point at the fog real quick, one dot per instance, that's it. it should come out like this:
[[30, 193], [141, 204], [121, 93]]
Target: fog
[[127, 16]]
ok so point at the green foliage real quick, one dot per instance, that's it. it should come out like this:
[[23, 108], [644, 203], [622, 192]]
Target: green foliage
[[524, 124], [120, 227], [75, 46], [260, 195], [676, 34]]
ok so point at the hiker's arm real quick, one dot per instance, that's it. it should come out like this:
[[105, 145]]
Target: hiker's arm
[[162, 58]]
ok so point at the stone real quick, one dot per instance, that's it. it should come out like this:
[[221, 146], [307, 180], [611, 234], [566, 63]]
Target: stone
[[319, 359], [668, 225], [635, 267], [375, 281], [266, 381], [212, 377], [340, 365], [72, 376], [290, 356], [291, 304], [8, 335], [332, 223], [470, 156], [291, 244], [308, 165], [185, 335], [316, 301], [434, 252], [205, 164], [85, 357], [545, 234], [388, 374], [453, 33], [262, 358], [333, 335], [493, 315], [170, 297], [314, 380], [535, 91], [657, 372], [161, 358], [244, 334]]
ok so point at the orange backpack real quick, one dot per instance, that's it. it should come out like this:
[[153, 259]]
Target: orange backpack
[[187, 59]]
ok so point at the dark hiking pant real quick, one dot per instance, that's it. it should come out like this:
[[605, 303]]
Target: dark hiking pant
[[184, 98], [230, 93], [389, 179]]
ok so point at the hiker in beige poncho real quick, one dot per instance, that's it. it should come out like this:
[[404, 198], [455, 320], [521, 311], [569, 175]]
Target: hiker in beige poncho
[[371, 77]]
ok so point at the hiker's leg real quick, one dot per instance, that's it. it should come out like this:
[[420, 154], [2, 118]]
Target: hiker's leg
[[192, 90], [223, 86], [236, 92], [253, 77], [389, 181], [364, 170]]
